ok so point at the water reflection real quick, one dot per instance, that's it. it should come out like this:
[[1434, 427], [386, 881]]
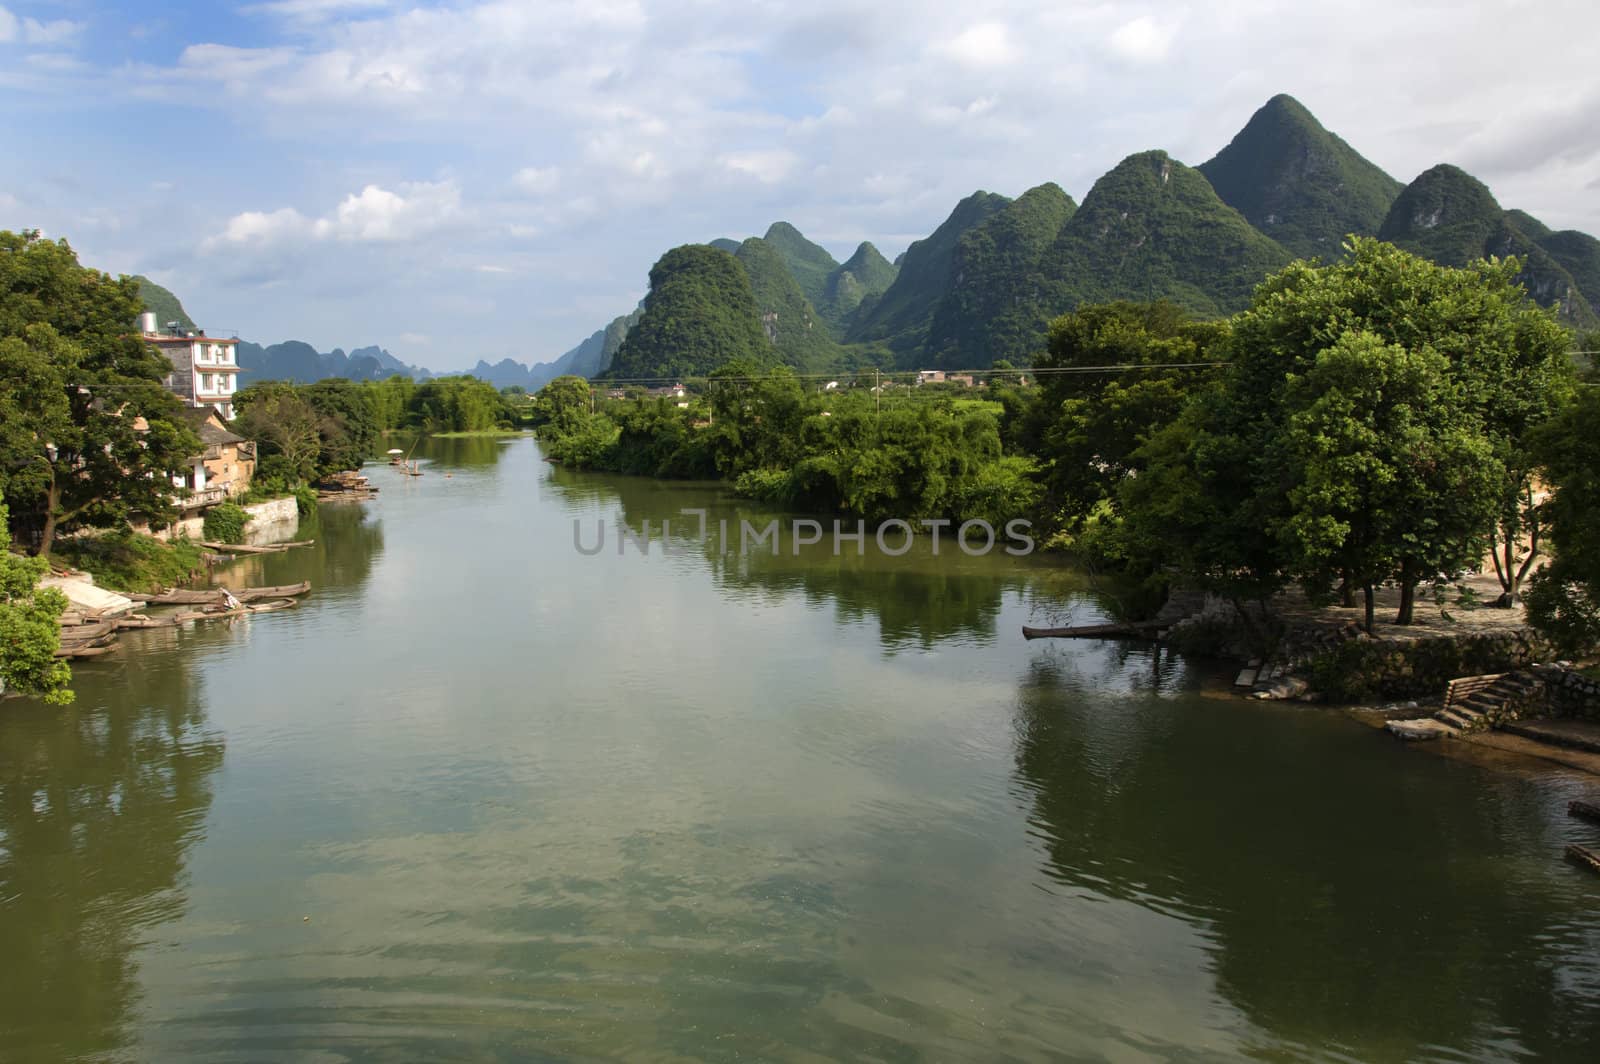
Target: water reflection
[[917, 599], [348, 545], [1347, 894], [99, 807]]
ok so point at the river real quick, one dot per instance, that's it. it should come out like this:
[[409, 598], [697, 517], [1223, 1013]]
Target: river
[[484, 797]]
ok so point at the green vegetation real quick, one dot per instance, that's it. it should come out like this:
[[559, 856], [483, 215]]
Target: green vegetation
[[810, 265], [992, 310], [1452, 218], [1368, 431], [306, 431], [124, 560], [88, 434], [899, 318], [1563, 599], [162, 303], [225, 523], [700, 314], [30, 630], [1299, 183], [1154, 228], [788, 318], [830, 452], [864, 277]]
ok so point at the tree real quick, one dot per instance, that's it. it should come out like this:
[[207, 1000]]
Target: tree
[[1093, 421], [91, 434], [1564, 598], [562, 406], [30, 631], [1392, 479], [287, 427], [1224, 497]]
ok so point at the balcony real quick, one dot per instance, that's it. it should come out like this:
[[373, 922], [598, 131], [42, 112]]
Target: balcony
[[199, 500]]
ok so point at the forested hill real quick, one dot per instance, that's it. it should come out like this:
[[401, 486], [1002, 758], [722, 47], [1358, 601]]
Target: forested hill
[[700, 313], [1298, 183], [1451, 217], [163, 304], [984, 284]]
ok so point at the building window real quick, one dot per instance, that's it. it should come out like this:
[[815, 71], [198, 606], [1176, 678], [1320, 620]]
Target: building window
[[205, 382]]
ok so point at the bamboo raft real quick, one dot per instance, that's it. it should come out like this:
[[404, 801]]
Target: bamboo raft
[[1134, 630]]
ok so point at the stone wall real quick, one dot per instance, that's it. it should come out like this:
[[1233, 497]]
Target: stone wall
[[269, 521], [1364, 669], [1569, 693]]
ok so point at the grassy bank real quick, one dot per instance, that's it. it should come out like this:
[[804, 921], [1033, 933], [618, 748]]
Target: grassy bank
[[128, 561]]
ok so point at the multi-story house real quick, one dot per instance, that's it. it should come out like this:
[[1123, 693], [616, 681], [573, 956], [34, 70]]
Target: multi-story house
[[205, 369]]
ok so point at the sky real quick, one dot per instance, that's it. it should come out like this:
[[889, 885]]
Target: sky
[[466, 180]]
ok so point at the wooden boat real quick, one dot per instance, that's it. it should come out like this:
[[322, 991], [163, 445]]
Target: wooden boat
[[209, 596], [85, 652], [271, 606], [241, 548]]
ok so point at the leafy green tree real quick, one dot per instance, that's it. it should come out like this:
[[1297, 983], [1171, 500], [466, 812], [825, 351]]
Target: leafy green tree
[[1223, 493], [350, 421], [562, 406], [1392, 479], [457, 404], [30, 630], [287, 429], [90, 434], [1092, 420], [1563, 599]]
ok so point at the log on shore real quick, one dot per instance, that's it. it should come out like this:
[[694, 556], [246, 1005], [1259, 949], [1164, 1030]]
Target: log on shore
[[1586, 810], [1135, 630], [1587, 858]]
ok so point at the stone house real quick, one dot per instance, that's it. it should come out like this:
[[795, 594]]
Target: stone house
[[224, 466]]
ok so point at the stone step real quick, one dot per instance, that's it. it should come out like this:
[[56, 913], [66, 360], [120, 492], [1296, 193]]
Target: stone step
[[1418, 730], [1455, 719]]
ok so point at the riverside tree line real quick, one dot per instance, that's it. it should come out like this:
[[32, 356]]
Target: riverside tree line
[[89, 435], [1377, 420]]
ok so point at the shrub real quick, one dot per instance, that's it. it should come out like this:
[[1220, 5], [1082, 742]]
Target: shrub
[[225, 523], [126, 561]]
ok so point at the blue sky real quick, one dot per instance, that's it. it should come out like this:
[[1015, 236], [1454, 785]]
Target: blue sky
[[463, 180]]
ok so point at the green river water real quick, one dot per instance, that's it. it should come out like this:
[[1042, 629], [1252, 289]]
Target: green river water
[[484, 798]]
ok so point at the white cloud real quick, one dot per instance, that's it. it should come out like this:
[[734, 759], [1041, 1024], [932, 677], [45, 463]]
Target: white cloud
[[373, 215], [987, 44], [597, 134], [769, 166], [537, 180], [32, 31], [1144, 39]]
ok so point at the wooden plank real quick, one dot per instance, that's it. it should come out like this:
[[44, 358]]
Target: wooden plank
[[1583, 857], [1138, 630], [1585, 810]]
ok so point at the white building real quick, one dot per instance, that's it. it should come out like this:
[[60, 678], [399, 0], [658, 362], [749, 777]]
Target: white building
[[205, 369]]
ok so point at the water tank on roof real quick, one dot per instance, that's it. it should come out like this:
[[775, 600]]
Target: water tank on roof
[[147, 322]]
